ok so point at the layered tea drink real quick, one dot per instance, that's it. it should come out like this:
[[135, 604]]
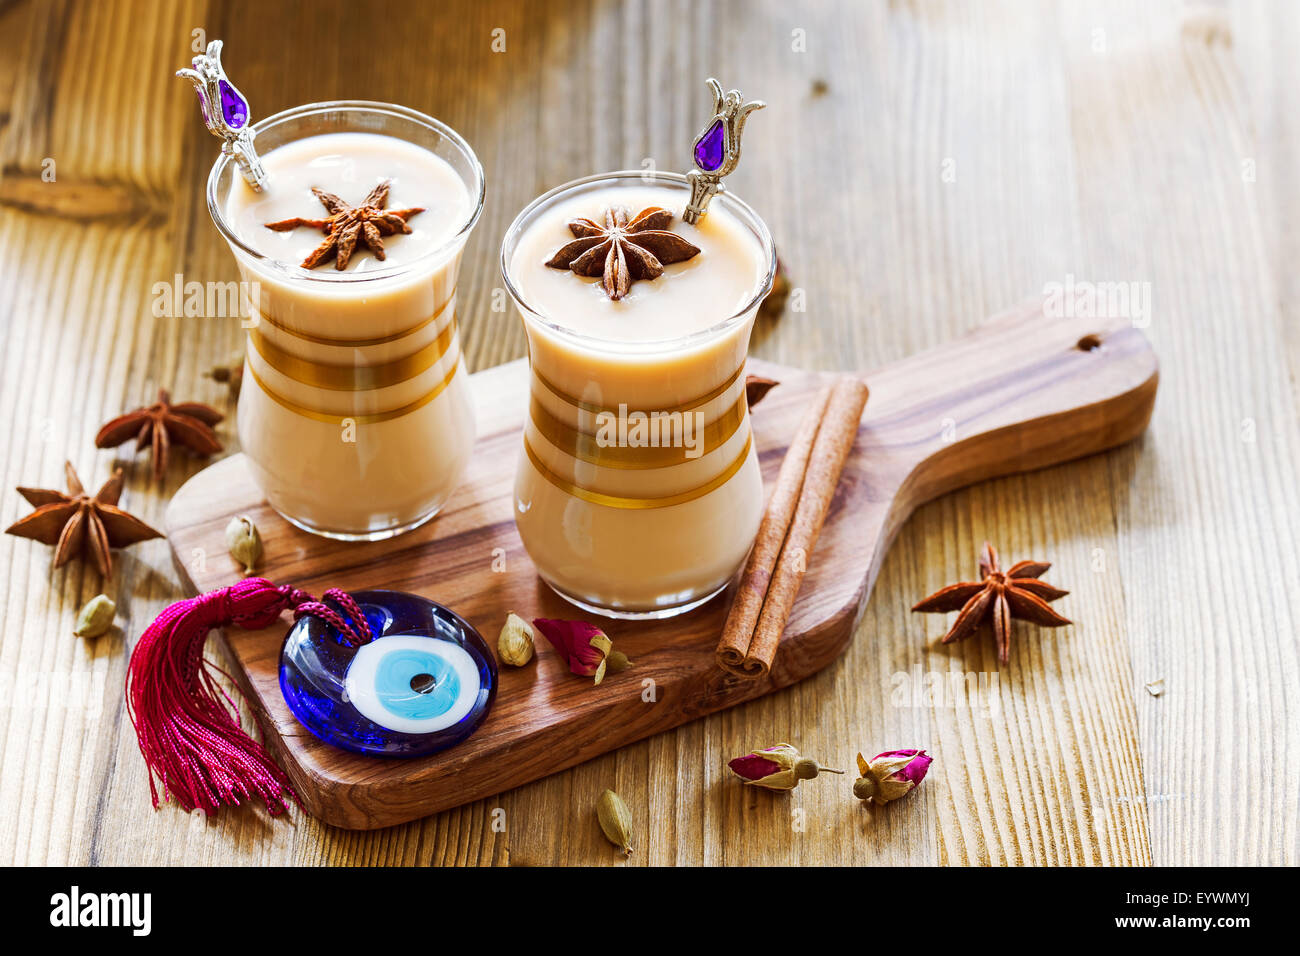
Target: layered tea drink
[[638, 492], [355, 412]]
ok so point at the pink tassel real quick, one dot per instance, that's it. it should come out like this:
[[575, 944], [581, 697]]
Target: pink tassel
[[187, 726]]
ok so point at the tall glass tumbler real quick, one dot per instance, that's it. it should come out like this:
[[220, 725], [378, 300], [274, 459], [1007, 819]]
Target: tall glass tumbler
[[616, 527], [355, 412]]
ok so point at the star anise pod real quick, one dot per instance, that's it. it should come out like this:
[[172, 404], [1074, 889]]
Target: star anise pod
[[1001, 595], [756, 387], [161, 425], [368, 222], [76, 523], [620, 251]]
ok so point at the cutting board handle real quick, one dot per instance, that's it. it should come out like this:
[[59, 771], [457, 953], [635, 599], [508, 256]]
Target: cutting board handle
[[1023, 391]]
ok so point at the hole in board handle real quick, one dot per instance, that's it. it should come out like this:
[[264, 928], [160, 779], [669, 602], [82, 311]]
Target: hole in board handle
[[1089, 343]]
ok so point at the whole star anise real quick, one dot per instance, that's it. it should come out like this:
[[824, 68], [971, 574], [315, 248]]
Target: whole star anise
[[756, 387], [161, 425], [620, 251], [76, 523], [1001, 595], [368, 222]]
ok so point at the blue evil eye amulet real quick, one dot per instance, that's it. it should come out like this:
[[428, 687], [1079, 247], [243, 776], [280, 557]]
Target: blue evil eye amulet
[[424, 682]]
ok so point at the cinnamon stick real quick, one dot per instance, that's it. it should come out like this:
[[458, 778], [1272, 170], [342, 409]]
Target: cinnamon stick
[[789, 530], [752, 590]]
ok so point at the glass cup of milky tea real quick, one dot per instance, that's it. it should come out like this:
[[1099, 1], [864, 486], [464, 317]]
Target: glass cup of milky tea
[[355, 413], [637, 491]]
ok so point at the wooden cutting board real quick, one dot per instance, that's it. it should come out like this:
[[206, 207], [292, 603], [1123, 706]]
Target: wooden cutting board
[[1020, 392]]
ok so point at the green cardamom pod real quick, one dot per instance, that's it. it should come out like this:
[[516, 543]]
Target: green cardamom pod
[[96, 617], [244, 543], [515, 645], [615, 820]]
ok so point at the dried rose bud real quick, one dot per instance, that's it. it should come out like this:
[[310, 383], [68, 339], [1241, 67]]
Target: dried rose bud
[[776, 768], [890, 775], [583, 645]]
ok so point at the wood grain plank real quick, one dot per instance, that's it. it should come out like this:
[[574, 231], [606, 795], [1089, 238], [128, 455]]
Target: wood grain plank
[[1196, 612], [1107, 141]]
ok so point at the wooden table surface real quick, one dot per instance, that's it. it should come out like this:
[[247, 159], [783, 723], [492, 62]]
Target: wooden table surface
[[921, 166]]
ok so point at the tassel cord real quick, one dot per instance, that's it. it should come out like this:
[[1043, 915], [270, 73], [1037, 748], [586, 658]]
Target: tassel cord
[[186, 724]]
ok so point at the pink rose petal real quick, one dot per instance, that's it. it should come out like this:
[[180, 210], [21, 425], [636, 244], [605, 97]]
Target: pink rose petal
[[754, 767], [572, 639], [915, 770]]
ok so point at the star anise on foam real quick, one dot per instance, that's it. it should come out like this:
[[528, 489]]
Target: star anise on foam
[[346, 225], [161, 425], [76, 523], [622, 251], [1001, 596]]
